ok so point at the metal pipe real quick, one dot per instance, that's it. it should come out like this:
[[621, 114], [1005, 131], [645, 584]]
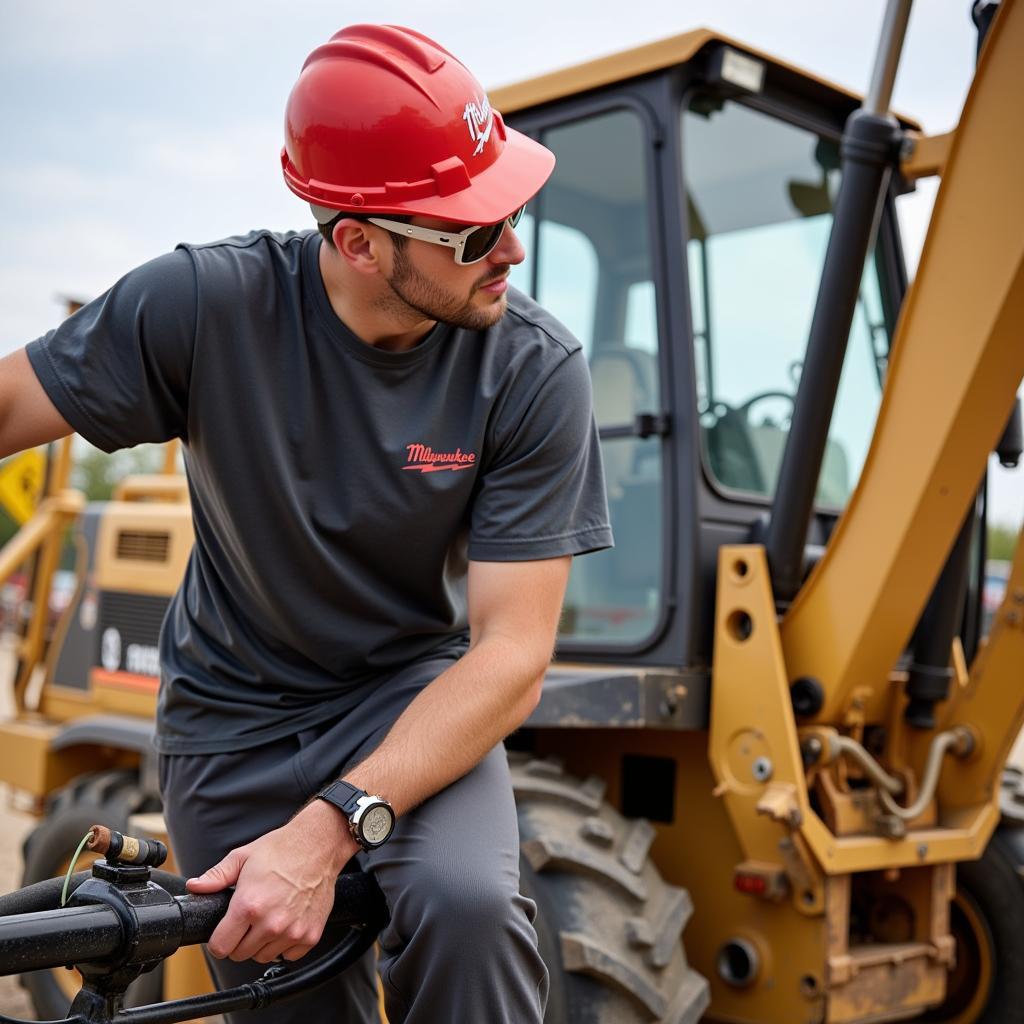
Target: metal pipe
[[959, 737], [887, 57], [27, 540], [886, 782]]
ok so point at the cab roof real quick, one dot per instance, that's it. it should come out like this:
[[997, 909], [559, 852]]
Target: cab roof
[[650, 57]]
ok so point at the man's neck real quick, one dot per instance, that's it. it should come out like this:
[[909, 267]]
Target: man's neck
[[366, 308]]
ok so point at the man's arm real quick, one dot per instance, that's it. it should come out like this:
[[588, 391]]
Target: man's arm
[[281, 902], [27, 416], [454, 722]]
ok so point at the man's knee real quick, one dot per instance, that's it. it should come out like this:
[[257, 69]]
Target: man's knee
[[461, 907]]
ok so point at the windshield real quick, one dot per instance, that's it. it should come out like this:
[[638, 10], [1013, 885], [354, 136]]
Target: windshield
[[760, 194]]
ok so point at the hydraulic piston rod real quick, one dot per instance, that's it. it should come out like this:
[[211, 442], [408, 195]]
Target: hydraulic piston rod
[[894, 30], [868, 151]]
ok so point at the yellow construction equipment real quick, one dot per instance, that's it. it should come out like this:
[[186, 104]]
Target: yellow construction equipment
[[773, 708]]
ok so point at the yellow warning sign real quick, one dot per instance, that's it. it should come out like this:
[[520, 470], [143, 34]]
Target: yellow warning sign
[[21, 484]]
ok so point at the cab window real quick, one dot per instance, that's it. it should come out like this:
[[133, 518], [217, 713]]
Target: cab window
[[589, 263]]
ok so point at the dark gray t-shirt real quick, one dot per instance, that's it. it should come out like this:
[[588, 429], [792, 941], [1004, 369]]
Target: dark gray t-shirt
[[337, 490]]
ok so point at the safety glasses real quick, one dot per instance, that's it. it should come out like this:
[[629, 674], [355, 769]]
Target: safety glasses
[[470, 246]]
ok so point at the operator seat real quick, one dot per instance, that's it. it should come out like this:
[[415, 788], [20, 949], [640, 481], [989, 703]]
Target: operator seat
[[625, 384]]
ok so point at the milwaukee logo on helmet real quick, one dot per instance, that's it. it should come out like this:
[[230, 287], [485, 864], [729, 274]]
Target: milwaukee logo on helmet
[[426, 460], [476, 115]]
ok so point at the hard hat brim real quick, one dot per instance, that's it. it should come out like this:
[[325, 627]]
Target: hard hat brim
[[495, 193]]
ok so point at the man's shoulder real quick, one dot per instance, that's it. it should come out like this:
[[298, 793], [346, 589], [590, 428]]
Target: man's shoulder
[[525, 349], [242, 264], [262, 238], [525, 318]]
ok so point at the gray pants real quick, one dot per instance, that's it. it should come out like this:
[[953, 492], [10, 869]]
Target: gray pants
[[460, 947]]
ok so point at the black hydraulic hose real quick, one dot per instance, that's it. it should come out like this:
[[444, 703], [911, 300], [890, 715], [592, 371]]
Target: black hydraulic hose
[[200, 915], [45, 895], [357, 903], [53, 938], [36, 933], [280, 982], [929, 674]]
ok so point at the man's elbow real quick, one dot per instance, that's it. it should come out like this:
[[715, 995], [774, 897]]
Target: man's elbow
[[535, 691]]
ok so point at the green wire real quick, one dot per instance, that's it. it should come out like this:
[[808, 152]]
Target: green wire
[[71, 867]]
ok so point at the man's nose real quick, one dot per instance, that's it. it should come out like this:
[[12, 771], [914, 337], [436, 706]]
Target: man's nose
[[509, 249]]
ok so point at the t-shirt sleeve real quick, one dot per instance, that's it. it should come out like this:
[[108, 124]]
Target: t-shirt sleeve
[[118, 370], [542, 494]]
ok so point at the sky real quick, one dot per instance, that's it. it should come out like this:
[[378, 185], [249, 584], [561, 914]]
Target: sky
[[129, 127]]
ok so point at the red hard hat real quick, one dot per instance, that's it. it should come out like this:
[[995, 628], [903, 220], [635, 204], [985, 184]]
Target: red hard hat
[[383, 120]]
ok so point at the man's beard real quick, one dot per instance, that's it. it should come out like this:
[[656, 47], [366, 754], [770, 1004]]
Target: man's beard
[[413, 292]]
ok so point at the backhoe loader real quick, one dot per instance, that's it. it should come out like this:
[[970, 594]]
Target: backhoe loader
[[767, 779]]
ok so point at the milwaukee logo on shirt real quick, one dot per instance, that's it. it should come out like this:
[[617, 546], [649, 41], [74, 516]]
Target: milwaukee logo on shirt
[[426, 460]]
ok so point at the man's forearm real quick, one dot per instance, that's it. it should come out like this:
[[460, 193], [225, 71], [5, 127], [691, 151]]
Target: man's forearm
[[453, 723]]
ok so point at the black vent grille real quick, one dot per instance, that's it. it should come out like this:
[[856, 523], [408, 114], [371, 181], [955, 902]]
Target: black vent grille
[[143, 545], [137, 617]]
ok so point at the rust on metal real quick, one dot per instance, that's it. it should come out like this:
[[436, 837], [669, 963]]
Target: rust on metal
[[100, 839]]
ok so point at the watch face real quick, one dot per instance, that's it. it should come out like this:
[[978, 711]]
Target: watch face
[[376, 824]]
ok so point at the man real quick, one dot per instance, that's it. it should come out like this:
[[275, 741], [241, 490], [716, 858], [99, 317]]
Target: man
[[391, 460]]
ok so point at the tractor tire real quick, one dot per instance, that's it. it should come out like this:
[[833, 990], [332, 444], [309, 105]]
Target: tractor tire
[[987, 920], [107, 798], [609, 927]]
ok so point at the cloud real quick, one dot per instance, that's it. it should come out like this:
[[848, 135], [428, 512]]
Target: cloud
[[40, 183]]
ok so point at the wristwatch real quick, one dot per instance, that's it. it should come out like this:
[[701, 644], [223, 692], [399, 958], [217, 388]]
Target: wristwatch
[[370, 818]]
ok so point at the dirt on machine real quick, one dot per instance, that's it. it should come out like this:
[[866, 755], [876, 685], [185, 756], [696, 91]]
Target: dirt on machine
[[767, 780]]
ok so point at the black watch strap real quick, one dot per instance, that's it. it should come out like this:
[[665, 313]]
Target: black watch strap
[[342, 795], [371, 819]]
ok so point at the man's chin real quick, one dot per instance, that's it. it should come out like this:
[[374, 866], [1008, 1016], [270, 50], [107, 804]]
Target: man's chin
[[495, 308], [479, 316]]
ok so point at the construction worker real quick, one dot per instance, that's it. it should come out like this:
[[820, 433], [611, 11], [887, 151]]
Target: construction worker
[[391, 458]]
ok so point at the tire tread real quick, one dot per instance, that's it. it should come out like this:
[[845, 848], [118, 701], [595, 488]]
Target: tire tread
[[619, 924]]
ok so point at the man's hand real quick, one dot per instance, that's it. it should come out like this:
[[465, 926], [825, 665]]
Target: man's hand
[[284, 887]]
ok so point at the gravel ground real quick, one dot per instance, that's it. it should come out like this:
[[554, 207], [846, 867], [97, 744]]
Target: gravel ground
[[14, 826]]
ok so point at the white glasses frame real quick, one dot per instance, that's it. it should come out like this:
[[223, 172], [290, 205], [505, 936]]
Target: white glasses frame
[[453, 240]]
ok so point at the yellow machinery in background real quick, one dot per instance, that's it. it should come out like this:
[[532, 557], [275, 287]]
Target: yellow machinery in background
[[773, 713]]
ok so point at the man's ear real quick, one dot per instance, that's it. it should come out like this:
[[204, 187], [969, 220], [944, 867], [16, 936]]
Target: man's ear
[[356, 246]]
